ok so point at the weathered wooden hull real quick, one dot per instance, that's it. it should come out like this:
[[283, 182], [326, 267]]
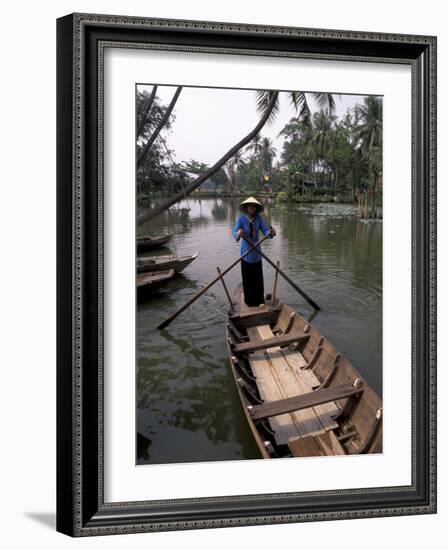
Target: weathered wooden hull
[[145, 243], [163, 263], [147, 283], [301, 397], [245, 401]]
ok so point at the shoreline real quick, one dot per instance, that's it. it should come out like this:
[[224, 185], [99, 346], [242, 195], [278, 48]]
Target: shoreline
[[321, 207]]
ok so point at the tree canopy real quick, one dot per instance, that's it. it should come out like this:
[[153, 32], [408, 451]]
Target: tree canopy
[[321, 156]]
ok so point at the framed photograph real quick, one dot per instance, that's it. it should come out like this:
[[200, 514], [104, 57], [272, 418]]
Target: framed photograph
[[246, 274]]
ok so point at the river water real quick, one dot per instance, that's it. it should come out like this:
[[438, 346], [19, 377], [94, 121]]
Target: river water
[[187, 405]]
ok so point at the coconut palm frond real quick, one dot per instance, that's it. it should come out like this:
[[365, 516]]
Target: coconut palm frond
[[263, 99], [294, 99], [253, 146], [300, 103], [370, 129], [325, 102], [289, 128]]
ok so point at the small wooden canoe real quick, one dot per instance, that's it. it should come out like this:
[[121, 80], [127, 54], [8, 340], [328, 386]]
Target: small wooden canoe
[[162, 263], [149, 282], [150, 242], [300, 395]]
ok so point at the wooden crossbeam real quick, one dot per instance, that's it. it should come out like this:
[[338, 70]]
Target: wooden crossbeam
[[316, 445], [261, 316], [248, 347], [303, 401]]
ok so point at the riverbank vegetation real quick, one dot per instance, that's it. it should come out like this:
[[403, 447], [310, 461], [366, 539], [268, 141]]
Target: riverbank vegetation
[[322, 159]]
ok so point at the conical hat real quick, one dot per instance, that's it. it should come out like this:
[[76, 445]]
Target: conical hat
[[252, 200]]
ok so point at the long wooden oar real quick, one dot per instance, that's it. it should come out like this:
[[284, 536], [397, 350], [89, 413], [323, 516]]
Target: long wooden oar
[[290, 281], [206, 287]]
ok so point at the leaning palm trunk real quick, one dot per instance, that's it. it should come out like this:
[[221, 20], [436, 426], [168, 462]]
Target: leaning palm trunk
[[232, 185], [146, 111], [159, 127], [231, 171], [212, 170]]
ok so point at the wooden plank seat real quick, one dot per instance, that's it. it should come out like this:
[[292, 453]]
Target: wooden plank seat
[[325, 444], [280, 341], [276, 380], [279, 375], [330, 424], [252, 319], [304, 401], [310, 382]]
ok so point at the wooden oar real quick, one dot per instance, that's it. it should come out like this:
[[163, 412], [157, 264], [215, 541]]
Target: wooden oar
[[290, 281], [206, 287], [274, 288]]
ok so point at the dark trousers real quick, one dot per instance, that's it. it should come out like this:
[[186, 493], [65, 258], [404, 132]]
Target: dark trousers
[[253, 286]]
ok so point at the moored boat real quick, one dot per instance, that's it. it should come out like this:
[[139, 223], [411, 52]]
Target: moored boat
[[300, 395], [150, 242], [150, 282], [162, 263]]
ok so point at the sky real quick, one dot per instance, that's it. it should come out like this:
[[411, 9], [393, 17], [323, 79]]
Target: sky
[[209, 121]]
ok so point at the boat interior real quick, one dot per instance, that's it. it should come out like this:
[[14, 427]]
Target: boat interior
[[301, 396]]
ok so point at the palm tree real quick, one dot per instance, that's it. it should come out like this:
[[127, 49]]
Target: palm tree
[[141, 157], [299, 101], [231, 171], [370, 138], [146, 110], [267, 154], [268, 107], [303, 123], [254, 147], [370, 130], [213, 169], [320, 144], [297, 130], [321, 134]]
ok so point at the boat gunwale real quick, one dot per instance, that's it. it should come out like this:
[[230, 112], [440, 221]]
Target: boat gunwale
[[245, 402], [178, 263], [349, 368]]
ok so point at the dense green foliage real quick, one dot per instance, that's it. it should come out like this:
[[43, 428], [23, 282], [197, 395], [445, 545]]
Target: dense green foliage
[[323, 158], [337, 159]]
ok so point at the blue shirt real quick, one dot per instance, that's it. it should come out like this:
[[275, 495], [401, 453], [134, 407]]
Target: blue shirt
[[259, 225]]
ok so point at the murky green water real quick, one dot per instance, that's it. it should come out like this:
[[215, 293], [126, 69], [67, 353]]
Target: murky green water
[[187, 406]]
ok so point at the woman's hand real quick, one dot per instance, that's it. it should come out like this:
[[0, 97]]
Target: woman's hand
[[240, 233], [272, 231]]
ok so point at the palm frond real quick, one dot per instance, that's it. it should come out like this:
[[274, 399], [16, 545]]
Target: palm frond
[[325, 102], [300, 103], [263, 98]]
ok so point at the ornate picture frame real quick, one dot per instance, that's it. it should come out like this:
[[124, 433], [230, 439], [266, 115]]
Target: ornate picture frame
[[81, 508]]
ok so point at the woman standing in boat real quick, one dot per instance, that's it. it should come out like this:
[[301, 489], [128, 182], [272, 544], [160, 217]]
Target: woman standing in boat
[[249, 225]]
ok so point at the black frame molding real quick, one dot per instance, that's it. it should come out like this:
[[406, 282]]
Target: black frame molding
[[81, 39]]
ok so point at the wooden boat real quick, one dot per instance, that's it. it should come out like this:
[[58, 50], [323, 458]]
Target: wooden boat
[[150, 242], [149, 282], [300, 395], [162, 263]]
